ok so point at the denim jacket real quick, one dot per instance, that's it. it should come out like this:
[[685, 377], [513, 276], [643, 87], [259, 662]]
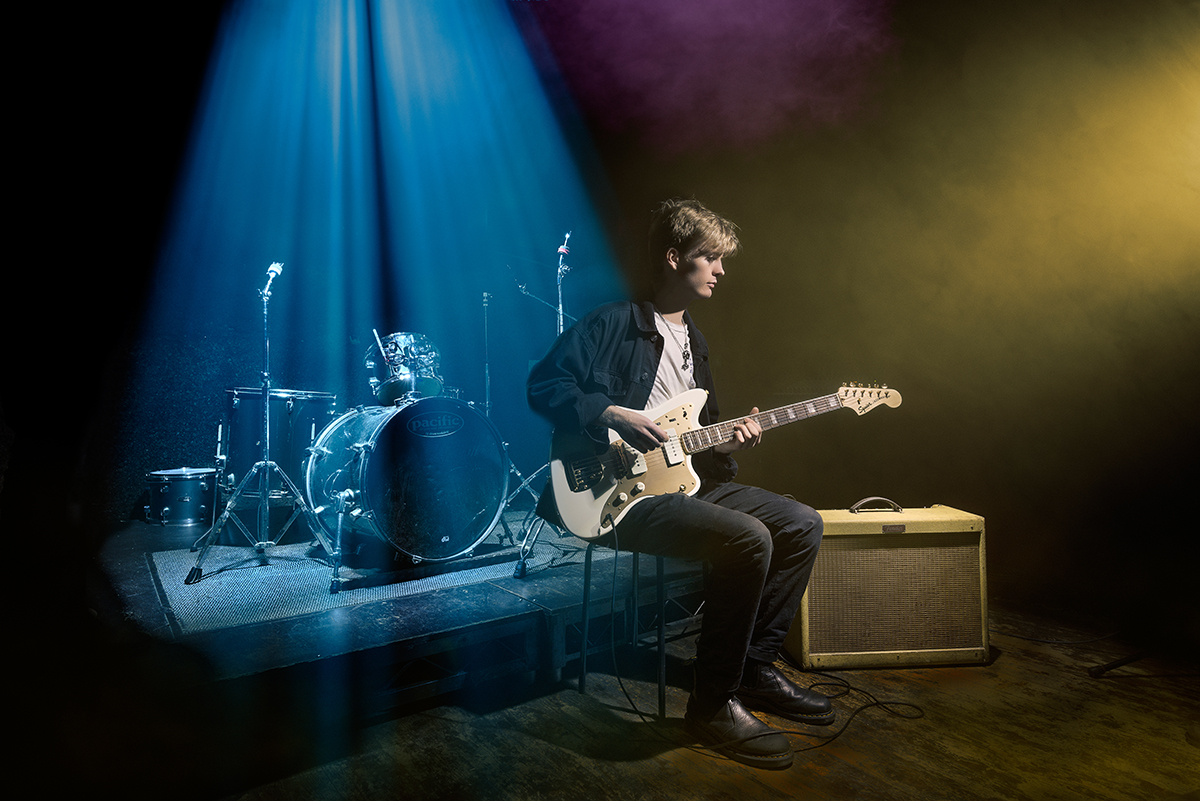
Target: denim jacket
[[611, 357]]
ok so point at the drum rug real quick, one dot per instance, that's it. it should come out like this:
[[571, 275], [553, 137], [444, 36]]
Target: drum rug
[[240, 587]]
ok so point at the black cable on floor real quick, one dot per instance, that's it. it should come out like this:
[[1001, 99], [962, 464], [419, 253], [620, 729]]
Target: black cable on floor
[[893, 708], [1053, 642]]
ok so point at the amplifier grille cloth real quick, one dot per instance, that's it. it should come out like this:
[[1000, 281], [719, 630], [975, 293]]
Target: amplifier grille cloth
[[895, 593]]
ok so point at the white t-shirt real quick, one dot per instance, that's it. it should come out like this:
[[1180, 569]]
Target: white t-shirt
[[675, 368]]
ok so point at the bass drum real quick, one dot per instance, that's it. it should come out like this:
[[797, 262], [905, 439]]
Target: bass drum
[[428, 478]]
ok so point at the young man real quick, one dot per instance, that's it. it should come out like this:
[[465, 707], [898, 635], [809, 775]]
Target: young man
[[625, 356]]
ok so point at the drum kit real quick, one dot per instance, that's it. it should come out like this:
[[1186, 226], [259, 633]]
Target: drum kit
[[421, 471]]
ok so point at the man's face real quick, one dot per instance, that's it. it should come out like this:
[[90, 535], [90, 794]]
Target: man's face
[[700, 273]]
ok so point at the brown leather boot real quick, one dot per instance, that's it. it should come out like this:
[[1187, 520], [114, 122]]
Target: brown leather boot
[[730, 729], [764, 687]]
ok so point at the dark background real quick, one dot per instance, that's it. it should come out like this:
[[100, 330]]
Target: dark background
[[993, 210]]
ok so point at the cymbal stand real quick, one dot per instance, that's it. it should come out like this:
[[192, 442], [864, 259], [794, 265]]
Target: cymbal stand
[[487, 374], [261, 474], [487, 410], [533, 528]]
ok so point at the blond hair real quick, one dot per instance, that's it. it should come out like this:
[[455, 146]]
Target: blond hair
[[692, 229]]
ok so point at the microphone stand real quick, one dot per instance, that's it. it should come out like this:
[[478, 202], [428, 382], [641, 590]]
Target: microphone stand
[[533, 529], [562, 270], [262, 471]]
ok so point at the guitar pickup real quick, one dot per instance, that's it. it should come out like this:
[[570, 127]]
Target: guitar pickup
[[672, 449]]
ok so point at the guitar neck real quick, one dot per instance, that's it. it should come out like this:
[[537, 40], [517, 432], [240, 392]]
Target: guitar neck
[[702, 439]]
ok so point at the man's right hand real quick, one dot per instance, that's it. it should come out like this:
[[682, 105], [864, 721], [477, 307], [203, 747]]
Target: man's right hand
[[636, 429]]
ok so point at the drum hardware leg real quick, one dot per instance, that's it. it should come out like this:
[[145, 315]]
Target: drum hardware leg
[[222, 461], [263, 541], [525, 482], [527, 546], [523, 486], [512, 468], [335, 581], [296, 512], [205, 542], [532, 526], [345, 503]]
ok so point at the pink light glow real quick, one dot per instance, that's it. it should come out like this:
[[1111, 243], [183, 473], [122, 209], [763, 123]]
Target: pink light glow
[[683, 73]]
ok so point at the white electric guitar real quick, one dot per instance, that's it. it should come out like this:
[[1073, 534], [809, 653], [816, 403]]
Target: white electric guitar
[[594, 490]]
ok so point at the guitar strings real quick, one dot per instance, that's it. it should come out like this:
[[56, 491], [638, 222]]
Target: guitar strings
[[768, 419]]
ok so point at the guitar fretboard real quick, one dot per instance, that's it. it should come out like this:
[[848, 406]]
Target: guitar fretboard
[[704, 438]]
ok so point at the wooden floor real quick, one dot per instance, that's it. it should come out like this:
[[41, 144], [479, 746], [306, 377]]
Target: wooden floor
[[1031, 725]]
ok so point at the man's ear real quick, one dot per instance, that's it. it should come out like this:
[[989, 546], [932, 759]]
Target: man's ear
[[674, 259]]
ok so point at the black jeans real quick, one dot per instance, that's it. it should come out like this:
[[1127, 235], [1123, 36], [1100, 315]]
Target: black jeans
[[761, 547]]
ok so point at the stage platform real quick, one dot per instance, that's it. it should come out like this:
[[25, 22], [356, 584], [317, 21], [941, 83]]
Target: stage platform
[[418, 630]]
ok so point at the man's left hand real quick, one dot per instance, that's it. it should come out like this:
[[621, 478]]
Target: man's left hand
[[746, 434]]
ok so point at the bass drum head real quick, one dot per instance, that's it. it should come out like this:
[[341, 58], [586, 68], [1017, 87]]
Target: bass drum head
[[431, 481], [437, 478]]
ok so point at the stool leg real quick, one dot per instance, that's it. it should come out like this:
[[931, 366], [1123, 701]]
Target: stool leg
[[634, 619], [662, 641], [587, 607]]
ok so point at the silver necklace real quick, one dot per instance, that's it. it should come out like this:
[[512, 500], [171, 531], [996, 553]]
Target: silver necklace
[[686, 352]]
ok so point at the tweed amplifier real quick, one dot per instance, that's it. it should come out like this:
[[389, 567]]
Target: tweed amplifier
[[895, 587]]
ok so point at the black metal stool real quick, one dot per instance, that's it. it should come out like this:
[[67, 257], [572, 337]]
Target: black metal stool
[[662, 623]]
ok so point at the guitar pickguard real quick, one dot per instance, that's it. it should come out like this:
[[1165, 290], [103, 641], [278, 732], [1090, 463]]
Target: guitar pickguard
[[594, 491]]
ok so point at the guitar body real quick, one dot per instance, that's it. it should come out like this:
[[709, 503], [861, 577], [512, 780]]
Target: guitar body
[[594, 489]]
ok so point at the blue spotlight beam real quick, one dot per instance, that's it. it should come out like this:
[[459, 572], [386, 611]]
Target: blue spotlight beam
[[402, 158]]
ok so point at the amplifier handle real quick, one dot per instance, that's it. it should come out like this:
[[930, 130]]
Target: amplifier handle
[[858, 506]]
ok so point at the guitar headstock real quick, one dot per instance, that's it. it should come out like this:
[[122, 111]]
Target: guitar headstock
[[863, 398]]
